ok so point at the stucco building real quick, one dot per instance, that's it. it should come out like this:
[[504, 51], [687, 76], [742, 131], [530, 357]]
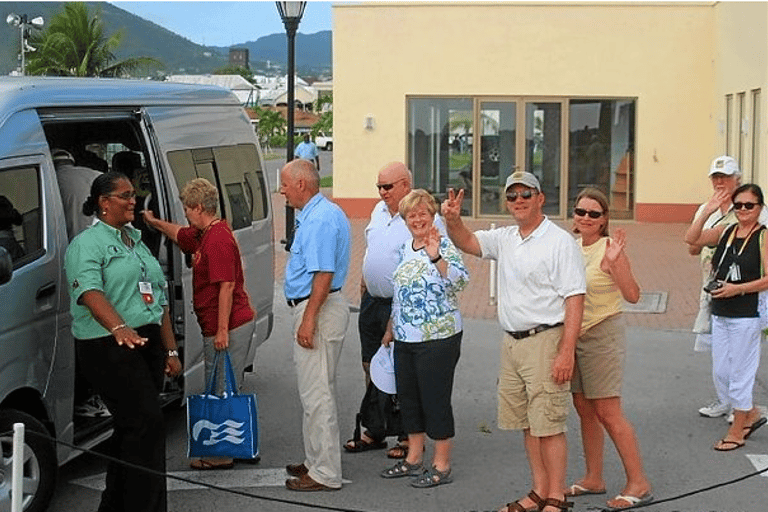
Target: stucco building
[[634, 98]]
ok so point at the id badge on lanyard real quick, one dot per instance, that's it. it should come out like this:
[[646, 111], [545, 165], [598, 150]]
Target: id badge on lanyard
[[145, 289]]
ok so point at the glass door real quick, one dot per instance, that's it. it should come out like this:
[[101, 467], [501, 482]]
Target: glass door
[[497, 130], [543, 155]]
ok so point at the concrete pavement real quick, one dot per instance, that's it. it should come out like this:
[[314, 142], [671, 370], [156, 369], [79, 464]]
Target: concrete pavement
[[665, 383]]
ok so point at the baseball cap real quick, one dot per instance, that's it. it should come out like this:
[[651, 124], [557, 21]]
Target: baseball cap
[[383, 370], [61, 155], [524, 178], [724, 165]]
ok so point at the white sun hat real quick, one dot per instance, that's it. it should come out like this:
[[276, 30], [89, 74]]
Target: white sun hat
[[383, 370]]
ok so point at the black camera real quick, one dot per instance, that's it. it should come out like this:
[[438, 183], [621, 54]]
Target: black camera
[[713, 285]]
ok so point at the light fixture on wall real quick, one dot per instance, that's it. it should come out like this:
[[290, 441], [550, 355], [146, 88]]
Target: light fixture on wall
[[369, 123]]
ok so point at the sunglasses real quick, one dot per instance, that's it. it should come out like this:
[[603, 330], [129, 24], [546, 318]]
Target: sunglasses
[[387, 186], [747, 206], [125, 196], [593, 214], [525, 194]]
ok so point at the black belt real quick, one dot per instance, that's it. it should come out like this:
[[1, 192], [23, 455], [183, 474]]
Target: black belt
[[295, 302], [519, 335]]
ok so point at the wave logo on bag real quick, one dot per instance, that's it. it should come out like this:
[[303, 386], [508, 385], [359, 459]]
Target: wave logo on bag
[[229, 431]]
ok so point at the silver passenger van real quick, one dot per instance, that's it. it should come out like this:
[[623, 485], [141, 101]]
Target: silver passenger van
[[169, 134]]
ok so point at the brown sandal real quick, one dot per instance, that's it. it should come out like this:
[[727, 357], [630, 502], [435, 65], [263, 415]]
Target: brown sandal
[[562, 505], [515, 506]]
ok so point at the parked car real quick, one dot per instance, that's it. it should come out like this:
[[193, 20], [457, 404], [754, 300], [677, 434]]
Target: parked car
[[324, 141], [174, 133]]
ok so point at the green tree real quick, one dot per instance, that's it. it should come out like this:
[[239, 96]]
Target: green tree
[[75, 45], [235, 70], [325, 123], [271, 128]]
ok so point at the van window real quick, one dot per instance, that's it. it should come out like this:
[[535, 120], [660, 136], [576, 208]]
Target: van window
[[236, 172], [21, 231]]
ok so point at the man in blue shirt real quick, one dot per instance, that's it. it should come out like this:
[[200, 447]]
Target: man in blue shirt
[[314, 275], [308, 151]]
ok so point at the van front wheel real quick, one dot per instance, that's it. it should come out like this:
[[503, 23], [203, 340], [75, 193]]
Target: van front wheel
[[39, 465]]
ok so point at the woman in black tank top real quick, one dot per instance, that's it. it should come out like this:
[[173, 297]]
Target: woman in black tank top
[[738, 274]]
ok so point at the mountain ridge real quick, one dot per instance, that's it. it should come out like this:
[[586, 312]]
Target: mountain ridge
[[178, 54]]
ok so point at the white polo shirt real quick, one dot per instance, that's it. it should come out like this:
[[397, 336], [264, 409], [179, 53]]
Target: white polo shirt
[[383, 237], [535, 274]]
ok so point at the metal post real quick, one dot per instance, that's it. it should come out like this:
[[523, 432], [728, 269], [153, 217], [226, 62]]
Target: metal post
[[17, 466], [291, 25], [22, 27]]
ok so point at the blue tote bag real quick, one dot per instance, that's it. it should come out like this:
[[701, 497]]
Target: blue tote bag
[[222, 426]]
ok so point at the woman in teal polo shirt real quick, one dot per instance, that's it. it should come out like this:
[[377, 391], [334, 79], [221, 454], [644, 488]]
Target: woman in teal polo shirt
[[124, 339]]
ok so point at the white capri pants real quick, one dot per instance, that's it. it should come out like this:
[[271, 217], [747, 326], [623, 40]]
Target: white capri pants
[[735, 358]]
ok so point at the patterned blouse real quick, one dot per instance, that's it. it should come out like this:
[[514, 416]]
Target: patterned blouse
[[425, 305]]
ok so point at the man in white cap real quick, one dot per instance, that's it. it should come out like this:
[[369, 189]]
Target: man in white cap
[[541, 286], [725, 175]]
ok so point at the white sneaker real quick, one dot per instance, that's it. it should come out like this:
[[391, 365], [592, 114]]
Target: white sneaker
[[94, 407], [763, 413], [715, 409]]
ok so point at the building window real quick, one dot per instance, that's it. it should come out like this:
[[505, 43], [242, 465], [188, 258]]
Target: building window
[[740, 130], [728, 124], [757, 176], [440, 145], [601, 151], [519, 134]]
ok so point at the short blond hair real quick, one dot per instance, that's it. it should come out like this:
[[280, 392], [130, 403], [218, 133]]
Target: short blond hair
[[414, 198], [200, 192]]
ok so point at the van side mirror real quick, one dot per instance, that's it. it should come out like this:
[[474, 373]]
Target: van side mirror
[[6, 266]]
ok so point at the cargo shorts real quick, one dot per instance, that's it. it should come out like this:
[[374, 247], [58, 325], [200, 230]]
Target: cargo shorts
[[528, 397]]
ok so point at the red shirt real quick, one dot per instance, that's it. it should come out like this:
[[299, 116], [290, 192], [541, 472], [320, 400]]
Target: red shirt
[[215, 259]]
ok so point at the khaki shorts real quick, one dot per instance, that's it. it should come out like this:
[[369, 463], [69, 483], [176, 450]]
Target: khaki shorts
[[599, 370], [528, 398]]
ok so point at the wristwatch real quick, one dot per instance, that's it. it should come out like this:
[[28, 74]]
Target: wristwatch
[[173, 353]]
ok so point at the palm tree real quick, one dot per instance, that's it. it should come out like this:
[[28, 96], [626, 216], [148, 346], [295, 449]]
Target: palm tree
[[75, 45]]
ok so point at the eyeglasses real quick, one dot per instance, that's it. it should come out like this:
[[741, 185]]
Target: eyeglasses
[[388, 186], [748, 206], [125, 196], [593, 214], [525, 194]]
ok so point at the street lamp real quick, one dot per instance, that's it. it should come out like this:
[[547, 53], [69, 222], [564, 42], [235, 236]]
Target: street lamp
[[25, 25], [290, 13]]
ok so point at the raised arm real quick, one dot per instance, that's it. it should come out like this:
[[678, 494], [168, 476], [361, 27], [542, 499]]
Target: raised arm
[[169, 229], [696, 235], [616, 263], [461, 237]]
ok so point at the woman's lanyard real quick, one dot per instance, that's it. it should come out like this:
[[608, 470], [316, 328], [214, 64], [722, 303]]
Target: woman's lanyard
[[746, 240], [145, 287]]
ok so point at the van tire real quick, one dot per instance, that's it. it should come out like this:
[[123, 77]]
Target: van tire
[[40, 467]]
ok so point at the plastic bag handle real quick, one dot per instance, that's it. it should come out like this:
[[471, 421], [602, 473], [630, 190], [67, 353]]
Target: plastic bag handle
[[229, 375]]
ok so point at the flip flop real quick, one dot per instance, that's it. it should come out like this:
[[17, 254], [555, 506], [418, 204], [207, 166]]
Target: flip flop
[[580, 490], [634, 500], [360, 445], [756, 425], [206, 465], [727, 446]]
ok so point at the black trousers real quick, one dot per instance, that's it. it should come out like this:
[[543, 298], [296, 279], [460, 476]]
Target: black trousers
[[129, 381], [372, 323]]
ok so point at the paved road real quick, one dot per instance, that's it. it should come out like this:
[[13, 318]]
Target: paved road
[[273, 166], [665, 384]]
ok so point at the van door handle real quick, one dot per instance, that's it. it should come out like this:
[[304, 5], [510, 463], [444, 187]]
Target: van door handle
[[45, 290]]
